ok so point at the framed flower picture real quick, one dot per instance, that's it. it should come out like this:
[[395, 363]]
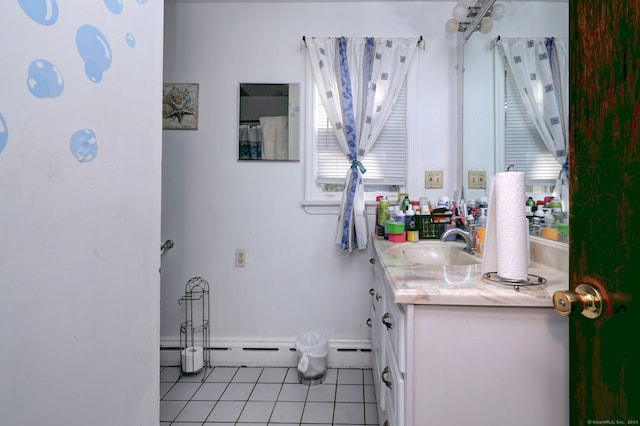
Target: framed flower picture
[[180, 106]]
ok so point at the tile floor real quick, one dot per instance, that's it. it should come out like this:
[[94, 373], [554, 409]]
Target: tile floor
[[266, 396]]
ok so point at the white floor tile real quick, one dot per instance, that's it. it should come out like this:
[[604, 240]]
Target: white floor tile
[[292, 376], [257, 411], [170, 374], [226, 411], [371, 414], [195, 411], [318, 412], [348, 413], [181, 391], [369, 393], [287, 412], [331, 377], [265, 392], [350, 377], [350, 393], [170, 409], [293, 392], [237, 392], [247, 375], [322, 393], [273, 375], [210, 391], [222, 374]]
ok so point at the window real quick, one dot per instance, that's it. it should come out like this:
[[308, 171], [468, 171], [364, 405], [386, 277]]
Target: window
[[523, 146], [385, 164]]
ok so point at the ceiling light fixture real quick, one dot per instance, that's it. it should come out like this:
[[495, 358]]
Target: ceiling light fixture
[[473, 16]]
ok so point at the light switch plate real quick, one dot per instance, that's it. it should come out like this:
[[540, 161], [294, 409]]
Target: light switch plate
[[477, 179], [433, 179]]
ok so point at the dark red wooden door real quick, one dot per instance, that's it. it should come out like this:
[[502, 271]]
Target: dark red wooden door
[[605, 208]]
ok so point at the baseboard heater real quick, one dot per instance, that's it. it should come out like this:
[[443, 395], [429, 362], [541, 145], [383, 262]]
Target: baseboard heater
[[342, 354]]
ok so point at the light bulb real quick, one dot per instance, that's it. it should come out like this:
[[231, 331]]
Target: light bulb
[[451, 26], [460, 12], [497, 11], [486, 25]]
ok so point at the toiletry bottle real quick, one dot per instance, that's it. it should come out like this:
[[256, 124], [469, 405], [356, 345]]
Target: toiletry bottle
[[400, 216], [410, 219], [405, 204], [383, 211], [391, 217]]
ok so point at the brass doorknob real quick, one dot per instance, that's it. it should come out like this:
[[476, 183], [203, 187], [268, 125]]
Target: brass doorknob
[[586, 299]]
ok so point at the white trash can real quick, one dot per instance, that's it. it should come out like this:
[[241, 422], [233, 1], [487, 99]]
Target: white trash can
[[312, 348]]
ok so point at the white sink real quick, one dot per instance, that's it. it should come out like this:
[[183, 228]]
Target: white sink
[[434, 253]]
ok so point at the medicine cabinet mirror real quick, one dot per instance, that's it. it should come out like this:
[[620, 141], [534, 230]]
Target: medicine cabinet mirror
[[523, 19], [268, 125]]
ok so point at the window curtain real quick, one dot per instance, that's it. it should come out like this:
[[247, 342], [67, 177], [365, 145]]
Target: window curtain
[[540, 68], [358, 80]]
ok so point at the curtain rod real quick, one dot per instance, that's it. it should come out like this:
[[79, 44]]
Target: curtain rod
[[304, 40]]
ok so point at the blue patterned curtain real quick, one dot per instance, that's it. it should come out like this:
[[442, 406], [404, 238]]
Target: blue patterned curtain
[[359, 80], [540, 68]]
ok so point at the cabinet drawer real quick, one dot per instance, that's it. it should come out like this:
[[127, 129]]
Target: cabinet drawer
[[393, 388], [393, 319]]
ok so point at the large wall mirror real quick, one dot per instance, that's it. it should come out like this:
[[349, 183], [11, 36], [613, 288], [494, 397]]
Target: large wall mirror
[[268, 127], [480, 104]]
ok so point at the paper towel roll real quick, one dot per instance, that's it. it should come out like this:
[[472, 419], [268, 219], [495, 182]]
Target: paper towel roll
[[192, 359], [507, 237]]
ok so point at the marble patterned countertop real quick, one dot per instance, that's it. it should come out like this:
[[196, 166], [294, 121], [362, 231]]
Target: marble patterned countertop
[[415, 283]]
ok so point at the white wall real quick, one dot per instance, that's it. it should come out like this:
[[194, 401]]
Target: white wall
[[79, 251], [296, 279], [522, 19]]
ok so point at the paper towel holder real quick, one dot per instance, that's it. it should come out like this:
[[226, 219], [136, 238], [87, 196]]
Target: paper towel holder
[[194, 330], [532, 280]]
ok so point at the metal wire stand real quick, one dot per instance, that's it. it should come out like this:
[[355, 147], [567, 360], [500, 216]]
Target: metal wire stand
[[194, 330]]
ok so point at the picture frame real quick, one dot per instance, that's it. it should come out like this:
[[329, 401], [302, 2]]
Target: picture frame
[[180, 106]]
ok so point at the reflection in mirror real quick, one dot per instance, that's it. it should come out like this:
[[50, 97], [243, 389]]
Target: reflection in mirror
[[269, 122], [483, 102]]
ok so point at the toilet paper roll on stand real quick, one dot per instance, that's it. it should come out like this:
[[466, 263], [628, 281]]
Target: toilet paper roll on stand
[[192, 359], [506, 249]]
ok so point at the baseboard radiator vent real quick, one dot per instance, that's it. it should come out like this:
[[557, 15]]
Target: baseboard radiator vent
[[343, 353]]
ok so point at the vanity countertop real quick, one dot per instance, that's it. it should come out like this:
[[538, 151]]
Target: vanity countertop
[[463, 285]]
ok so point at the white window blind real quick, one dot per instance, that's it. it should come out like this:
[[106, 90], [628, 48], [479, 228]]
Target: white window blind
[[523, 146], [385, 163]]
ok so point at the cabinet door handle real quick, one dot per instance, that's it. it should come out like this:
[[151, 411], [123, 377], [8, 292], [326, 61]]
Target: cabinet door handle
[[388, 383], [372, 261], [371, 291], [378, 296], [386, 321], [369, 322]]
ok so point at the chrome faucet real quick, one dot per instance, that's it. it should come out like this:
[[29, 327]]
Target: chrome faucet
[[469, 237]]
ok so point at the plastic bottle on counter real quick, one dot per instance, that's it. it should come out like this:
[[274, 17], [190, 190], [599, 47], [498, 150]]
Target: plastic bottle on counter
[[405, 204], [383, 215], [410, 219]]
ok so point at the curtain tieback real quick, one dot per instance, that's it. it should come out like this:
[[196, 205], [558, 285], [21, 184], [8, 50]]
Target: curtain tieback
[[357, 164]]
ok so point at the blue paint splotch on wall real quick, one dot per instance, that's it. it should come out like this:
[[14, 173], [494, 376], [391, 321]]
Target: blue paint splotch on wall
[[130, 39], [44, 12], [44, 80], [84, 145], [142, 1], [4, 133], [115, 6], [94, 50]]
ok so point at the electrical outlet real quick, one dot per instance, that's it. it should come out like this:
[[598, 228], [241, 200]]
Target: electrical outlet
[[477, 179], [433, 179], [241, 258]]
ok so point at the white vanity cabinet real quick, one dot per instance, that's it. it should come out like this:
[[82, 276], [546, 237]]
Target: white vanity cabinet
[[466, 365]]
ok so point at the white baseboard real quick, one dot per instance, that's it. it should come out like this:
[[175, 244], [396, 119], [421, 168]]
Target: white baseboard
[[343, 353]]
